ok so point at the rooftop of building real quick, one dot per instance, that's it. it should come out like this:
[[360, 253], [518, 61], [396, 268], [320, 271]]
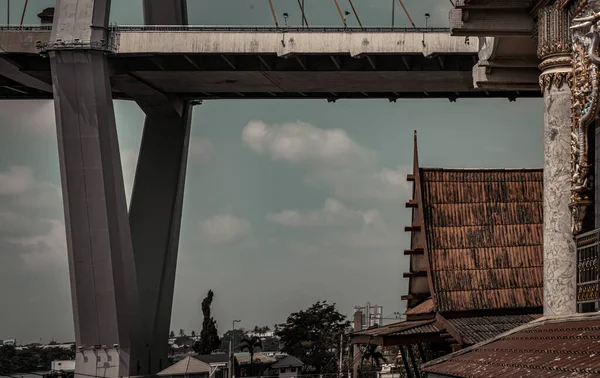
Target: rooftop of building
[[561, 346]]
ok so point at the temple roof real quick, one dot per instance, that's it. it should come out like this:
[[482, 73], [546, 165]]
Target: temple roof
[[554, 346], [484, 237], [476, 240]]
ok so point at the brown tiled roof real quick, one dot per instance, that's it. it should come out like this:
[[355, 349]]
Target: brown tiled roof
[[484, 237], [563, 347], [474, 330], [426, 307], [402, 328]]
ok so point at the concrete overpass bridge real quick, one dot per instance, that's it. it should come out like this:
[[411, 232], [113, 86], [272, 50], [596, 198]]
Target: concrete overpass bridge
[[200, 63], [122, 261]]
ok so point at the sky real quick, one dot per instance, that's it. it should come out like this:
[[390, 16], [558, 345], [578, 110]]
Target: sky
[[287, 201]]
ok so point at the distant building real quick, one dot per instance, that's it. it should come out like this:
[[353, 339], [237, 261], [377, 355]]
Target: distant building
[[219, 363], [12, 342], [188, 367], [66, 366], [288, 367], [47, 16]]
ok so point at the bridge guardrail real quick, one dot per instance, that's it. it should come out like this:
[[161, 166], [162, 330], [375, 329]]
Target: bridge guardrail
[[255, 29]]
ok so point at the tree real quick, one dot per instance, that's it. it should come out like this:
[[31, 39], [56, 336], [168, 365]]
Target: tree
[[193, 333], [209, 337], [252, 345], [172, 335], [181, 333], [313, 335], [234, 337]]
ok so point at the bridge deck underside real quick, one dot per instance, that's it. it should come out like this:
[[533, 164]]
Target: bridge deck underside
[[268, 76]]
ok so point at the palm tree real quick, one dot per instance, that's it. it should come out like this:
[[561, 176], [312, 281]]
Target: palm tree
[[193, 333], [251, 344], [181, 333], [373, 353]]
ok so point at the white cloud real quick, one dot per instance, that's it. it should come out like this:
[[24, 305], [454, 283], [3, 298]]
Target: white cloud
[[13, 224], [41, 252], [302, 143], [222, 229], [333, 214], [16, 181], [333, 158], [29, 117], [201, 150], [385, 185], [345, 226], [19, 182]]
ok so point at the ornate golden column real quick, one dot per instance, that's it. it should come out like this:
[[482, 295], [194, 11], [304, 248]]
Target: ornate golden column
[[554, 49]]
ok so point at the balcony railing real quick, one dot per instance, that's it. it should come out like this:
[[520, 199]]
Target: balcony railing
[[588, 278]]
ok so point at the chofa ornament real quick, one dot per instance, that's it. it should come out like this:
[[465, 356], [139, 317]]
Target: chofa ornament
[[584, 109]]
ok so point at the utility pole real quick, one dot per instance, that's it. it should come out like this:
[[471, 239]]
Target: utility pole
[[232, 348], [341, 354], [231, 362]]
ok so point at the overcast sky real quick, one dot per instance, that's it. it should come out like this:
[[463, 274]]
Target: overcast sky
[[270, 229]]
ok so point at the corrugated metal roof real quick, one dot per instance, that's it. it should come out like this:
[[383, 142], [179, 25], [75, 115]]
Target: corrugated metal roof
[[564, 347], [474, 330], [426, 307], [484, 236]]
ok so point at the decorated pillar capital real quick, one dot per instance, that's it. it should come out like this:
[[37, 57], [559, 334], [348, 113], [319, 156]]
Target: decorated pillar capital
[[554, 47]]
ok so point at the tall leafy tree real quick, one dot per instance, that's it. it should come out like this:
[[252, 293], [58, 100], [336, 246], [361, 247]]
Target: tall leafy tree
[[209, 336], [251, 345], [313, 335]]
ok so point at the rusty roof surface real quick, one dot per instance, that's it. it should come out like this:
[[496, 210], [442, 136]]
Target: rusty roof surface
[[426, 307], [403, 328], [484, 237], [543, 348], [474, 330]]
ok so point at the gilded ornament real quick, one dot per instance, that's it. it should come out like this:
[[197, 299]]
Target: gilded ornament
[[584, 107]]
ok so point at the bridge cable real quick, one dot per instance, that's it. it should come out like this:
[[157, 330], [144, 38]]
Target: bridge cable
[[340, 11], [273, 13], [356, 14], [24, 10], [407, 14], [303, 14]]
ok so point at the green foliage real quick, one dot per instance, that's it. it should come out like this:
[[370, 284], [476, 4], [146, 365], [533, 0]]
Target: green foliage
[[209, 336], [31, 359], [227, 337], [251, 345], [313, 335]]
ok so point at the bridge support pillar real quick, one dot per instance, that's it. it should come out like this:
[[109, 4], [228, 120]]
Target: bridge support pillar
[[101, 261], [559, 248], [155, 219]]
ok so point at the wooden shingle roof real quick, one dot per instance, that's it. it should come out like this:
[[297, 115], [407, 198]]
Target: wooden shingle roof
[[484, 237]]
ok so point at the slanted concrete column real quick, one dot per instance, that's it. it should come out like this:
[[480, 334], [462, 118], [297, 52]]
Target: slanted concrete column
[[559, 249], [155, 219], [157, 198], [101, 264]]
